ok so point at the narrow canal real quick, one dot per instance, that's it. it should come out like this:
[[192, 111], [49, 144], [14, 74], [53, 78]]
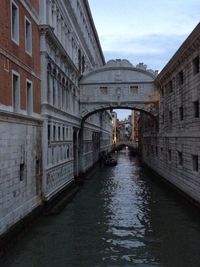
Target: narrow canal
[[121, 217]]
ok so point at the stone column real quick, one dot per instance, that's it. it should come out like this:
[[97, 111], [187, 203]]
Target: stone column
[[63, 33], [44, 155], [59, 26], [49, 12], [44, 86], [43, 11], [54, 18]]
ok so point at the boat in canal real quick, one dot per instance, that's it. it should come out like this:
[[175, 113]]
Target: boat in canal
[[110, 161]]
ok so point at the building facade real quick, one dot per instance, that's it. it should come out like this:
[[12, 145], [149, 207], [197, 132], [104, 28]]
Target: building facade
[[45, 48], [69, 48], [173, 148], [20, 108]]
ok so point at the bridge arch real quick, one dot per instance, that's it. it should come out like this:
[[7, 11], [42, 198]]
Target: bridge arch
[[118, 85]]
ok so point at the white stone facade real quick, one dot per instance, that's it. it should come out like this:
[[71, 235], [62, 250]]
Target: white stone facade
[[69, 47], [118, 84], [20, 168]]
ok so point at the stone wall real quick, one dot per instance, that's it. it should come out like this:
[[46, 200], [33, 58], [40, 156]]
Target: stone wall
[[173, 149], [20, 168]]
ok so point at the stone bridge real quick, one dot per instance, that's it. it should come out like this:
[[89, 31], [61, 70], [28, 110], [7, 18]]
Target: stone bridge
[[119, 85], [130, 144]]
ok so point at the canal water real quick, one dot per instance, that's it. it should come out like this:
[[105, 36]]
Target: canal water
[[121, 217]]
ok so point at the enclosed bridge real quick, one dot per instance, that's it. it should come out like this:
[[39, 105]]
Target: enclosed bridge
[[118, 84]]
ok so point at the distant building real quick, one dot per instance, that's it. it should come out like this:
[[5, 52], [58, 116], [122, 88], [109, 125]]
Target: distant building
[[124, 130], [134, 121]]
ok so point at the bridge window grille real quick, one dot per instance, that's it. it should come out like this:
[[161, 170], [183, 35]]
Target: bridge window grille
[[195, 163], [104, 90], [134, 89], [195, 65]]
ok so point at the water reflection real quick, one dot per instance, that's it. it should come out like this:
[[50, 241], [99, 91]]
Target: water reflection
[[121, 217]]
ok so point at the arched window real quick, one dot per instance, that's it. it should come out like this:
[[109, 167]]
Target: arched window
[[79, 60], [63, 93], [49, 82], [54, 87], [59, 92]]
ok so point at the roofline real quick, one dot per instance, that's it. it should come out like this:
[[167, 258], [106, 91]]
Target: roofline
[[106, 68], [94, 30]]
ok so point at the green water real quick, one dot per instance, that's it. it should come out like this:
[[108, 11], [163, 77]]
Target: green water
[[121, 217]]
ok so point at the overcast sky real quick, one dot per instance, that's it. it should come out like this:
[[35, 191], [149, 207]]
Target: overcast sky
[[143, 30]]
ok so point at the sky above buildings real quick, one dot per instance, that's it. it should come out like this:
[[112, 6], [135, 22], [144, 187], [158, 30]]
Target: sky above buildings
[[143, 31]]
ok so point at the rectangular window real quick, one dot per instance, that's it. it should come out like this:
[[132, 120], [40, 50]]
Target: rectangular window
[[170, 86], [21, 172], [195, 64], [63, 133], [49, 132], [156, 151], [162, 92], [16, 91], [180, 158], [169, 155], [180, 78], [195, 163], [196, 109], [54, 132], [37, 167], [14, 22], [29, 96], [181, 113], [170, 117], [28, 36], [58, 132]]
